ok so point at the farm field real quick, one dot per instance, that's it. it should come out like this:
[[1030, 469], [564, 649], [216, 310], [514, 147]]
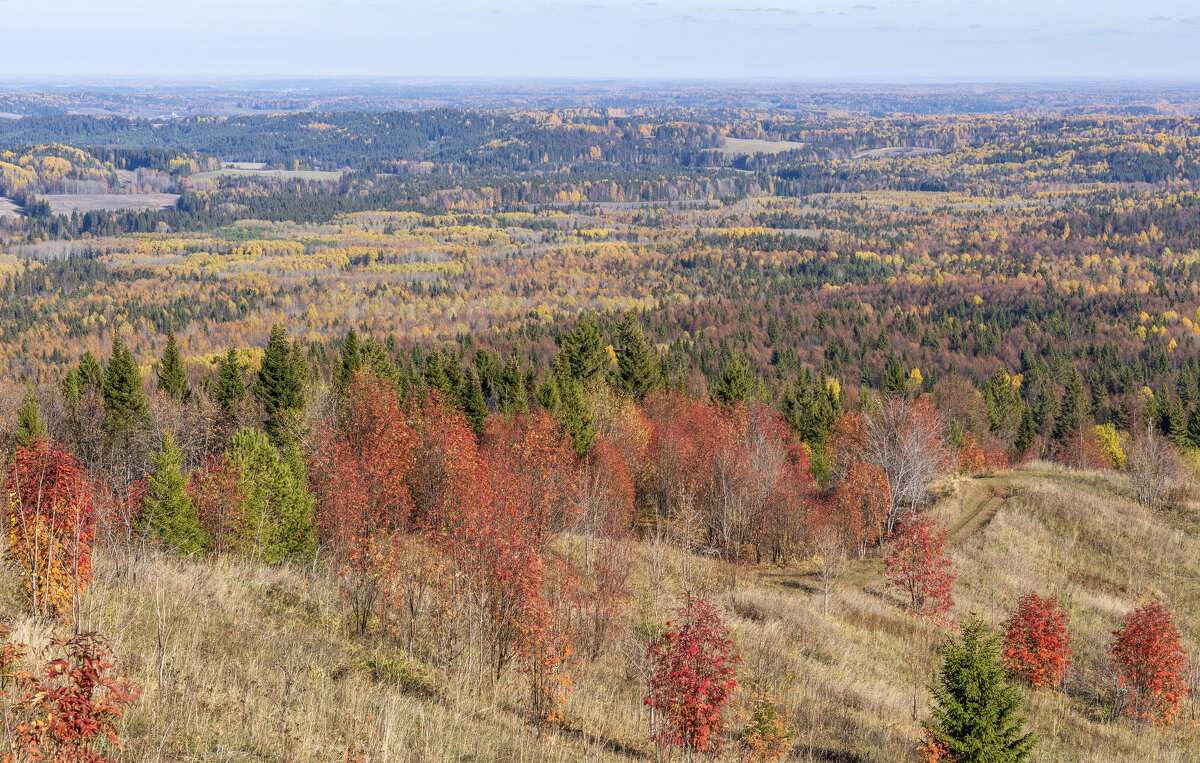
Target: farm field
[[746, 146], [65, 204]]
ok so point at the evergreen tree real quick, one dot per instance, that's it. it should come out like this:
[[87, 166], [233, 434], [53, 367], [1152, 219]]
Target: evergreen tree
[[172, 376], [891, 383], [638, 370], [575, 414], [511, 390], [471, 400], [168, 511], [230, 388], [1193, 427], [583, 349], [123, 394], [548, 398], [351, 359], [1074, 409], [735, 382], [276, 508], [1177, 430], [279, 386], [30, 426], [976, 712], [1026, 431]]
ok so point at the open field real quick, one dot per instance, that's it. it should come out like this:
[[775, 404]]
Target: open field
[[746, 146], [241, 661], [8, 208], [246, 169], [65, 204], [893, 152]]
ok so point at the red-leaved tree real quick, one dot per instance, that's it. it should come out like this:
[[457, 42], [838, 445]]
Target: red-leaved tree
[[693, 675], [1148, 662], [1037, 642], [51, 524], [918, 565]]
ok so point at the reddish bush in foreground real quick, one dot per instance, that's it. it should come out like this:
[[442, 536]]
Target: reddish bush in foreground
[[919, 566], [1148, 661], [693, 676], [1037, 644], [71, 708]]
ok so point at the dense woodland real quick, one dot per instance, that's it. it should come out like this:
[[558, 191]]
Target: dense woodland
[[538, 389]]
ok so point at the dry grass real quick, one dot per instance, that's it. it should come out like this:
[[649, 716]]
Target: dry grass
[[243, 662], [66, 203], [747, 146]]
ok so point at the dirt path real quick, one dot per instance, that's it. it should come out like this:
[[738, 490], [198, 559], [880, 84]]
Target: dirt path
[[988, 496]]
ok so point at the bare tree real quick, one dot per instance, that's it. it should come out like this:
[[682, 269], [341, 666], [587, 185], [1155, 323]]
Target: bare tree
[[1154, 469], [829, 550], [907, 441]]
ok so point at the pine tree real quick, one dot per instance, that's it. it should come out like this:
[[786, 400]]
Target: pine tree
[[470, 398], [30, 426], [279, 386], [976, 712], [891, 383], [172, 376], [168, 511], [735, 382], [351, 359], [1193, 427], [230, 388], [548, 397], [638, 370], [575, 414], [275, 507], [583, 349], [1177, 425], [123, 394], [1074, 408], [1026, 431], [513, 394]]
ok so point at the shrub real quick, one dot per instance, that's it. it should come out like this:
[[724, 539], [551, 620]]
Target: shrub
[[1037, 644], [692, 678], [919, 566], [1148, 662]]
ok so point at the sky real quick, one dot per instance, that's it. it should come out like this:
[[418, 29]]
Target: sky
[[811, 40]]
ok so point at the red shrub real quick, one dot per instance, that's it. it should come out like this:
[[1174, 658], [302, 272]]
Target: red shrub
[[919, 566], [1149, 661], [693, 676], [1037, 644]]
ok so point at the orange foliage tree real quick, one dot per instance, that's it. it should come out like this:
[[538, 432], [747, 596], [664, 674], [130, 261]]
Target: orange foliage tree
[[1037, 643], [918, 565], [1148, 660], [51, 525]]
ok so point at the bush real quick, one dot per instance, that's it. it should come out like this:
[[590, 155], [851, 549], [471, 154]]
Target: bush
[[1148, 663], [1037, 644]]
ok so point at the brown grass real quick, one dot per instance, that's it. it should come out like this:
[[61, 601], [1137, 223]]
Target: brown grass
[[66, 203], [244, 662]]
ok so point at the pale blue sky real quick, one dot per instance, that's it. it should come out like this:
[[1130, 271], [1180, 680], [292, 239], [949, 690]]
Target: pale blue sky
[[813, 40]]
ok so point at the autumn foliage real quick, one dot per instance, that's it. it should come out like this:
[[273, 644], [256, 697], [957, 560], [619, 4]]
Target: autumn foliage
[[1148, 661], [51, 526], [694, 675], [918, 565], [1037, 642]]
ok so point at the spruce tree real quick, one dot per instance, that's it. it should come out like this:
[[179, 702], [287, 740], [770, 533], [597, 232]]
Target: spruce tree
[[168, 511], [1073, 410], [638, 370], [1026, 431], [351, 359], [891, 383], [230, 387], [735, 382], [123, 394], [471, 400], [279, 386], [275, 505], [1193, 427], [172, 376], [976, 712], [548, 398], [30, 426], [1177, 425], [575, 414], [583, 349], [512, 392]]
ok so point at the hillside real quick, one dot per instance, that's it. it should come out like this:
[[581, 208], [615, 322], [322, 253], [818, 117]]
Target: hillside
[[240, 661]]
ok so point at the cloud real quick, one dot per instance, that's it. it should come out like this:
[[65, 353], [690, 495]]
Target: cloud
[[861, 7]]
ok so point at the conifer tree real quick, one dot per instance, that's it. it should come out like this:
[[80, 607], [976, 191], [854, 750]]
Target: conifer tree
[[351, 359], [735, 382], [1177, 425], [512, 392], [1073, 410], [172, 376], [1193, 427], [976, 713], [30, 426], [230, 387], [891, 383], [168, 511], [279, 386], [1026, 431], [123, 394], [275, 507], [548, 398], [575, 414], [638, 369], [470, 398], [583, 349]]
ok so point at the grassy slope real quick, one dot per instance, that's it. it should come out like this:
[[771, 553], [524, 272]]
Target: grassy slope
[[251, 663]]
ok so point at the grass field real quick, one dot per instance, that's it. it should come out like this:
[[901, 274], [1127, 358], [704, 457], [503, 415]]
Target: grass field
[[892, 152], [746, 146], [250, 169], [66, 203], [8, 208], [251, 662]]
